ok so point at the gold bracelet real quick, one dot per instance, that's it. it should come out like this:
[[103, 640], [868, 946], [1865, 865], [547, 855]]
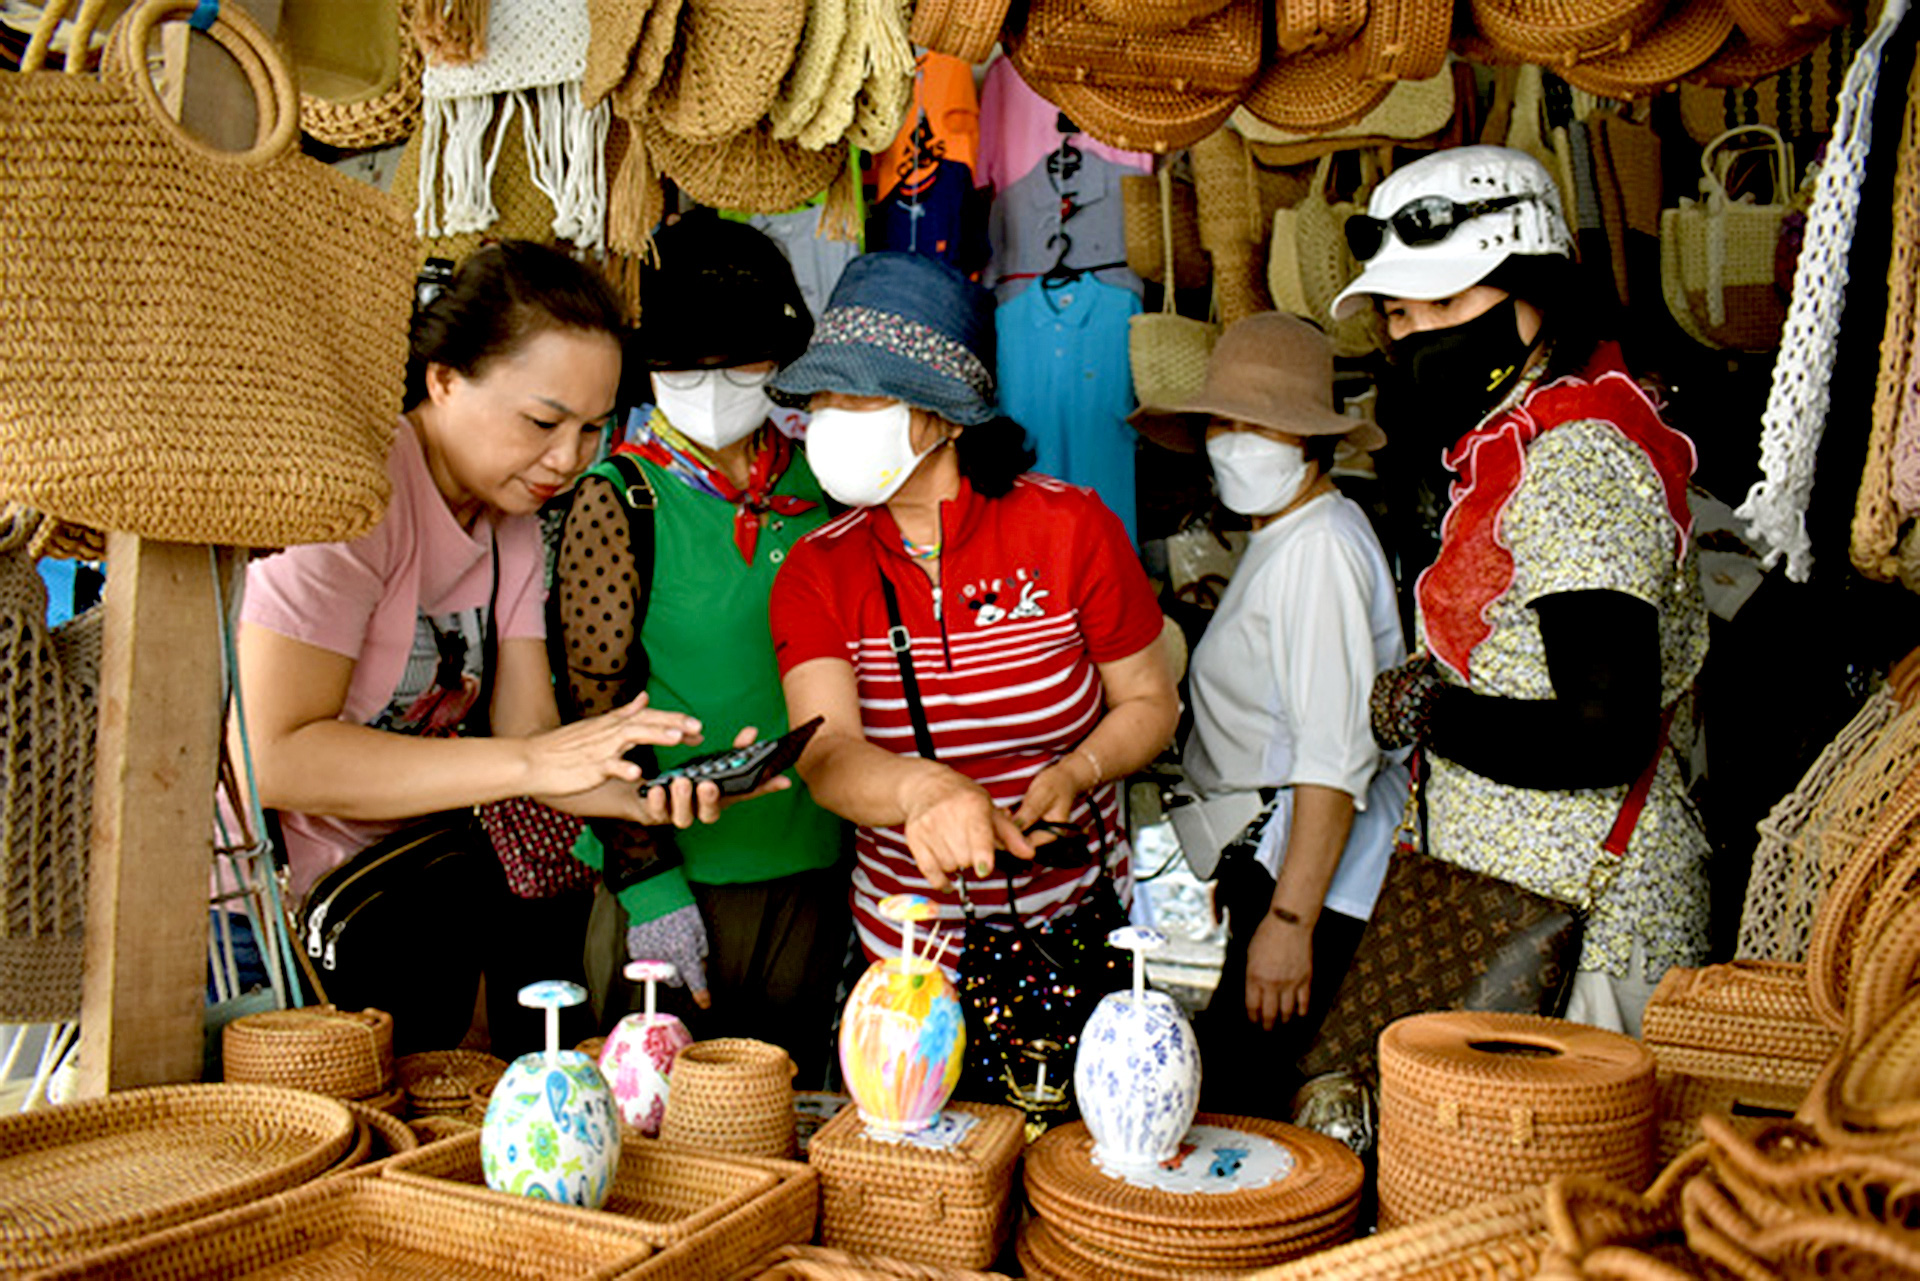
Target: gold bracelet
[[1099, 775]]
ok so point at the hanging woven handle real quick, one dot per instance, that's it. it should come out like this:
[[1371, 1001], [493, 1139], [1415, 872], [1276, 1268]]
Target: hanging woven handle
[[276, 101], [1166, 235], [81, 35], [1711, 182]]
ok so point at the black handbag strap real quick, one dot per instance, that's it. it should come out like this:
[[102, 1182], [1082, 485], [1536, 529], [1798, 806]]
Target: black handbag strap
[[902, 646]]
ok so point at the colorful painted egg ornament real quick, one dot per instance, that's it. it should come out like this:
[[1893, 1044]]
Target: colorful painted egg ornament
[[902, 1037], [1137, 1075], [640, 1053], [551, 1131]]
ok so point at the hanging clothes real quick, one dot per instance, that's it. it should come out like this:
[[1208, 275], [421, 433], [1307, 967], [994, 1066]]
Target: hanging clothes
[[923, 195]]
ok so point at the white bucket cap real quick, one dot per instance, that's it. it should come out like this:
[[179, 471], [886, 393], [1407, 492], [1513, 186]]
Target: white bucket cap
[[1475, 247]]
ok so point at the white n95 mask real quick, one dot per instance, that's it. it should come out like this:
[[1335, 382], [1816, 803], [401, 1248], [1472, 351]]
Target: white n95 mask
[[1256, 475], [863, 456], [713, 408]]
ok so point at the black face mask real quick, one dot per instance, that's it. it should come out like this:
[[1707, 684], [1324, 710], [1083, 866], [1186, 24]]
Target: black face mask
[[1460, 373]]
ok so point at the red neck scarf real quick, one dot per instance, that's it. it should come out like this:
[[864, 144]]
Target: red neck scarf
[[661, 445], [1474, 567]]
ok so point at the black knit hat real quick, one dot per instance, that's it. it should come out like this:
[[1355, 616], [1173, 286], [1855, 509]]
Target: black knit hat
[[720, 293]]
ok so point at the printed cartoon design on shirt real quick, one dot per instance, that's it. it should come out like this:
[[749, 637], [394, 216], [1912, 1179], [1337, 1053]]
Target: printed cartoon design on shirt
[[983, 598], [441, 683]]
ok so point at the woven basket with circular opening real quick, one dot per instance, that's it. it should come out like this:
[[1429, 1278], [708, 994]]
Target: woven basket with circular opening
[[732, 1095], [442, 1081], [345, 1053]]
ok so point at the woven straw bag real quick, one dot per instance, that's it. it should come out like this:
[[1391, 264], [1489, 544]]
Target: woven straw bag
[[195, 345], [1140, 212], [1168, 351], [1308, 262], [48, 702], [1724, 250], [359, 70]]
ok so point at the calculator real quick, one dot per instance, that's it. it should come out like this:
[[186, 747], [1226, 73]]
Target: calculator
[[737, 770]]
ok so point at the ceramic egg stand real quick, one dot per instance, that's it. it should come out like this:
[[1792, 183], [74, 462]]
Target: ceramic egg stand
[[902, 1036], [551, 1131], [1137, 1073], [639, 1054]]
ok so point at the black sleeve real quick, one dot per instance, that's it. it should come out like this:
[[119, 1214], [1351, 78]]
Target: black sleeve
[[1600, 727]]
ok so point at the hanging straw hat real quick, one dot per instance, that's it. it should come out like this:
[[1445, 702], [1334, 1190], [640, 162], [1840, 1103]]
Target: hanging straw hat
[[1314, 92], [1691, 32], [1302, 25], [813, 66], [726, 66], [1779, 23], [1141, 119], [1412, 109], [657, 38], [1564, 31], [871, 88], [751, 171], [1066, 40], [1741, 62], [964, 29], [358, 70], [615, 27], [1155, 15]]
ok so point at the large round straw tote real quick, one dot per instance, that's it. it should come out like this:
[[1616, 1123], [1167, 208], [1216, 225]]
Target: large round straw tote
[[732, 1095], [345, 1053], [1474, 1104], [82, 1176], [195, 345]]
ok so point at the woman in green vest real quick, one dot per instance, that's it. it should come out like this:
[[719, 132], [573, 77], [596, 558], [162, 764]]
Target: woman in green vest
[[752, 909]]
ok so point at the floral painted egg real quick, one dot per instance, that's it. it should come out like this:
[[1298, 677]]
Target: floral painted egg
[[1137, 1074], [551, 1131], [902, 1037], [640, 1052]]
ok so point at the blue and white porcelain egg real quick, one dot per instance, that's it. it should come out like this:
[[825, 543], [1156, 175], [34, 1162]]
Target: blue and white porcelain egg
[[552, 1132], [1137, 1074]]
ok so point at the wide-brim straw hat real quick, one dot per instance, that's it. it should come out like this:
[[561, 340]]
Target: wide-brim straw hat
[[1553, 32], [1155, 15], [1741, 61], [813, 67], [726, 67], [1269, 369], [964, 29], [1314, 92], [1780, 23], [1158, 120], [1303, 25], [358, 69], [752, 171], [1067, 40], [1412, 109], [1690, 33]]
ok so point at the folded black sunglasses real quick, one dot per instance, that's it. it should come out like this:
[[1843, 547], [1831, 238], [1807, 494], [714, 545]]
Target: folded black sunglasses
[[1426, 221]]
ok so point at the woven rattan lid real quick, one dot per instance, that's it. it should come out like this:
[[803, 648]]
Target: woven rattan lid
[[726, 66], [345, 1053], [974, 1171], [1311, 92], [1690, 32], [1325, 1178], [1562, 31], [1156, 120], [1741, 62], [1568, 1071], [750, 171], [965, 29], [85, 1175]]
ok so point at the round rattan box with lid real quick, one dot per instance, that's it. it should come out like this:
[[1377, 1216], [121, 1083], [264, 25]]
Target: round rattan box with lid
[[1474, 1104], [345, 1053]]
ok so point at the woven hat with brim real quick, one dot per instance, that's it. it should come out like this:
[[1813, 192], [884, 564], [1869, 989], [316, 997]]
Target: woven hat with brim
[[1067, 40], [964, 29], [1552, 32], [1535, 226], [719, 293], [726, 66], [1155, 15], [1741, 62], [1411, 110], [1312, 92], [752, 171], [1690, 33], [358, 69], [1132, 119], [1786, 22], [907, 327], [1269, 369]]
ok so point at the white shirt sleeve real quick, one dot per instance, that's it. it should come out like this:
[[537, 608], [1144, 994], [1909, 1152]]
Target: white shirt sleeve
[[1322, 638]]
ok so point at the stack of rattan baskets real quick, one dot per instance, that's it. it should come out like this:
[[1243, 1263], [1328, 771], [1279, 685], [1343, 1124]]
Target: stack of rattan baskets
[[439, 1088], [732, 1094], [951, 1205], [1090, 1223], [1475, 1104], [85, 1176], [344, 1053], [1731, 1040], [824, 1263], [1497, 1240]]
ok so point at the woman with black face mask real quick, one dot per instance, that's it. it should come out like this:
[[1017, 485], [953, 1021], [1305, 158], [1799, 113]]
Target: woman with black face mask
[[1561, 625]]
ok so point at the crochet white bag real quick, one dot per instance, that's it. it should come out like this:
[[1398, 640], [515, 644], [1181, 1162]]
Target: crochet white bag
[[534, 61]]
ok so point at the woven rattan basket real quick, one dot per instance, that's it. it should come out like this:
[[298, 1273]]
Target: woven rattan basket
[[732, 1095], [348, 1054], [1474, 1104], [1885, 866], [1757, 1008], [377, 1227], [951, 1207], [1497, 1240], [820, 1263], [724, 1248], [87, 1175], [441, 1082], [667, 1197], [1688, 1098]]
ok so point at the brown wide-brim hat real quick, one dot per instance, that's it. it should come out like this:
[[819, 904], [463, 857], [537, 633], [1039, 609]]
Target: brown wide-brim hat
[[1314, 92], [1269, 369], [1741, 61], [1067, 40], [964, 29], [1785, 23], [1133, 119], [1554, 32], [1689, 33]]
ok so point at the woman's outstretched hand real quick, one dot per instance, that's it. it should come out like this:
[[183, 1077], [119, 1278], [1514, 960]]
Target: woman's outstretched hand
[[579, 757]]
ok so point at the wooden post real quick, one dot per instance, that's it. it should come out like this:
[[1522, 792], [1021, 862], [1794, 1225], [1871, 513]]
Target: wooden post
[[143, 1000]]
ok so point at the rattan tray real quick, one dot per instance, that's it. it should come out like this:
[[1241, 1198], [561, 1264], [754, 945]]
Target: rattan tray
[[86, 1175], [666, 1196], [379, 1228], [1496, 1240], [784, 1216], [823, 1263]]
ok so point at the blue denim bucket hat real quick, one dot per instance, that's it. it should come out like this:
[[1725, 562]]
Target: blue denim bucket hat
[[904, 326]]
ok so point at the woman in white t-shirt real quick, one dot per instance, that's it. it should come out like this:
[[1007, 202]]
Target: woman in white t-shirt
[[1279, 688]]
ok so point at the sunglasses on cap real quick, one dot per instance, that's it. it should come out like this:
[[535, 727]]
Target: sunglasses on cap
[[1426, 221]]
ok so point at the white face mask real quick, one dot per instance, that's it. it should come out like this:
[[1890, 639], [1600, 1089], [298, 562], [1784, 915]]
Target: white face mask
[[1257, 476], [862, 456], [713, 408]]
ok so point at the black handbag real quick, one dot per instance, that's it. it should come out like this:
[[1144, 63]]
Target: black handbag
[[398, 927], [1024, 989]]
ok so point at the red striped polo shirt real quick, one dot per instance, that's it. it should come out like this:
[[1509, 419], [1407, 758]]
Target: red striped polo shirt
[[1036, 588]]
